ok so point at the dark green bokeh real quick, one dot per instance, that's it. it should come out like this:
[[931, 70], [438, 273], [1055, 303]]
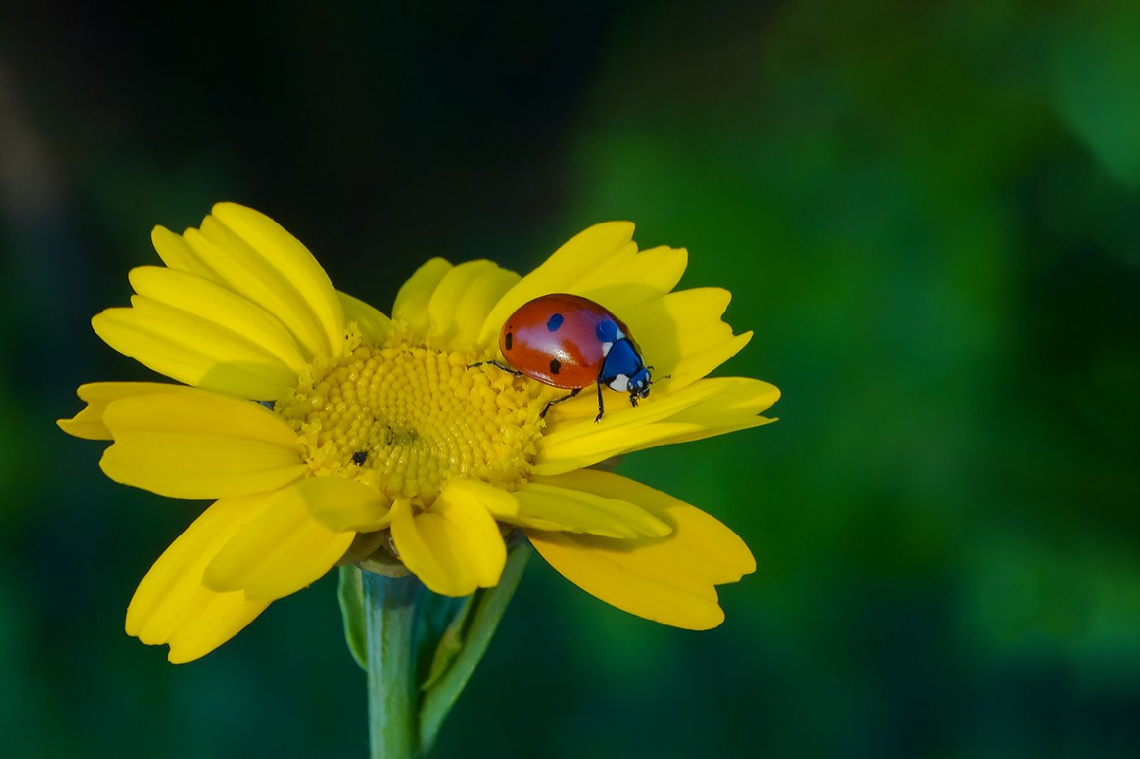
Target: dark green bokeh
[[926, 212]]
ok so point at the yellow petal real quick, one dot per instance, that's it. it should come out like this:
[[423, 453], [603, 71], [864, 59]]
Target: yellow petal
[[668, 580], [697, 364], [345, 505], [574, 436], [683, 336], [564, 271], [713, 553], [411, 306], [177, 254], [624, 580], [265, 280], [293, 260], [172, 606], [737, 408], [482, 546], [278, 278], [483, 295], [374, 326], [222, 616], [634, 277], [194, 350], [281, 551], [543, 504], [214, 303], [88, 423], [454, 548], [194, 444], [494, 500], [706, 408], [462, 299]]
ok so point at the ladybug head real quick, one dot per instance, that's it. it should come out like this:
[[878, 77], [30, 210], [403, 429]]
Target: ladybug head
[[638, 385]]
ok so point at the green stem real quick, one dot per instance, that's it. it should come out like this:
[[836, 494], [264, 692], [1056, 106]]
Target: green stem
[[393, 698]]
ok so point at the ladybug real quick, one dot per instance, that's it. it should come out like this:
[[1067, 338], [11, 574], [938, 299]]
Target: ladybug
[[570, 342]]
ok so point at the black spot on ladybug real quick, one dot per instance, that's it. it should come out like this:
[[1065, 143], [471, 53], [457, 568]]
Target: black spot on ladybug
[[554, 322], [555, 366], [360, 457], [508, 339]]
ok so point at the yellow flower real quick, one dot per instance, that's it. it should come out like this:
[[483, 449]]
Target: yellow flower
[[325, 430]]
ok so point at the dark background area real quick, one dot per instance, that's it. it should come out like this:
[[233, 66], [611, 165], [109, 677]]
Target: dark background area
[[928, 213]]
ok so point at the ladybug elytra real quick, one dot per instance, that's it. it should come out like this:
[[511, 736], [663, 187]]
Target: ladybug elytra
[[571, 342]]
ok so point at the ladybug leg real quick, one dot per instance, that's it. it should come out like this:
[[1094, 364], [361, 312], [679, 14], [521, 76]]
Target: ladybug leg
[[601, 405], [573, 392], [504, 367]]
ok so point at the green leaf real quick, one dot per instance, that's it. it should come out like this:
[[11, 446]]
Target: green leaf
[[450, 644], [463, 644], [350, 593]]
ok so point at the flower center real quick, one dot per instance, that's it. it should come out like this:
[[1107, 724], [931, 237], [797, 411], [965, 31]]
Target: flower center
[[408, 419]]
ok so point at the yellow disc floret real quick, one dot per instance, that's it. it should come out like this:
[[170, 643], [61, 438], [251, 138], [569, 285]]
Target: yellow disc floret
[[408, 419]]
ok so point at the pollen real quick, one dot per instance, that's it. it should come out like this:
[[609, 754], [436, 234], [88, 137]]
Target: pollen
[[406, 420]]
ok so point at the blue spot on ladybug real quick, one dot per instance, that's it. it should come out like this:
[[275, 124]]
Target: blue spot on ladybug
[[607, 331], [554, 322]]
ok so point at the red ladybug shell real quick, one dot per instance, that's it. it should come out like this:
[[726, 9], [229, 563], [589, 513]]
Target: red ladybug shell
[[554, 339]]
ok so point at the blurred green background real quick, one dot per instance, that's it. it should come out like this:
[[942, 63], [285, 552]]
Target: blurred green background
[[929, 213]]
